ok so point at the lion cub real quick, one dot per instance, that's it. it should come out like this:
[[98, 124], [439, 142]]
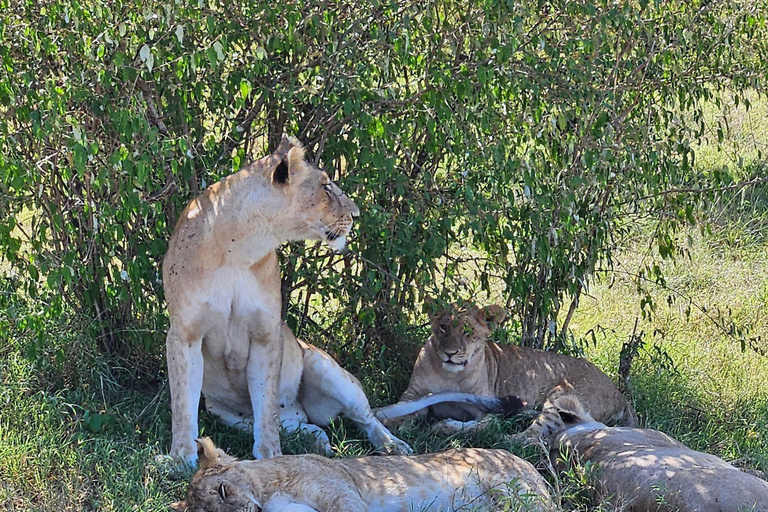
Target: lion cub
[[459, 357], [310, 483], [648, 469]]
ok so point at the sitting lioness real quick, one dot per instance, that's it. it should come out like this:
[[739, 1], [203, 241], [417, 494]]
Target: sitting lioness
[[459, 357], [435, 482], [314, 389], [648, 470], [222, 287]]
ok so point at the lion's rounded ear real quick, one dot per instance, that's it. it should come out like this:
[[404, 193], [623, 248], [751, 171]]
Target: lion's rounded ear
[[431, 307], [492, 315], [207, 454], [291, 162], [179, 506], [286, 143]]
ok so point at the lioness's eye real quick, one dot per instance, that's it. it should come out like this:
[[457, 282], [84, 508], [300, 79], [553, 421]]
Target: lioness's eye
[[222, 491], [328, 188]]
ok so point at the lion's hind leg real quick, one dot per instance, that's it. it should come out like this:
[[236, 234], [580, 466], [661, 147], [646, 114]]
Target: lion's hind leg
[[328, 390], [448, 426], [542, 426]]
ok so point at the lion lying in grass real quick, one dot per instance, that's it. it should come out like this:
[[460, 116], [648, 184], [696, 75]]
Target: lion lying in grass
[[649, 470], [310, 483], [459, 357]]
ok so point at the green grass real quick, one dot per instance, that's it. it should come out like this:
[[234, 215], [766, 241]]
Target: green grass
[[745, 132], [80, 432], [692, 379]]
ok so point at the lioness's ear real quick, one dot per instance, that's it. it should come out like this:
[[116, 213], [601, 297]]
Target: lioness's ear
[[431, 307], [291, 163], [286, 143], [280, 174], [179, 506], [492, 315], [568, 416], [207, 454]]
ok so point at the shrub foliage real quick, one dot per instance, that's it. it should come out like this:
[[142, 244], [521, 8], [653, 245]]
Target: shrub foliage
[[495, 147]]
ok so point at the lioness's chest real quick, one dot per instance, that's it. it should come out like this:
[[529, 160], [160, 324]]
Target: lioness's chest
[[238, 294]]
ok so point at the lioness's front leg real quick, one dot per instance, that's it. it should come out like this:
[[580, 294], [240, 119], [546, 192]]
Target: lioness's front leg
[[283, 503], [265, 359], [185, 377]]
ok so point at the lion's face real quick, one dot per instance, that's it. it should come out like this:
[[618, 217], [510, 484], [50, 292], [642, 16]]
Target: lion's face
[[216, 491], [217, 486], [327, 211], [316, 208], [460, 334]]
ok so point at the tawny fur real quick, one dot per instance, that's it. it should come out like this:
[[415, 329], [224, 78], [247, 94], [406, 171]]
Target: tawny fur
[[434, 482], [459, 357], [222, 286], [314, 390], [649, 470]]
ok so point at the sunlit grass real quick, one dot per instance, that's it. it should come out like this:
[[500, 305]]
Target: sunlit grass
[[744, 134], [692, 379]]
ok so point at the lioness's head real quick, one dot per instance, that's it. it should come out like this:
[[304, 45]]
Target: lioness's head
[[316, 209], [215, 487], [563, 413], [460, 334]]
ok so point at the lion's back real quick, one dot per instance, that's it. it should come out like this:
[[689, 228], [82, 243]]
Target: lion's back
[[533, 374]]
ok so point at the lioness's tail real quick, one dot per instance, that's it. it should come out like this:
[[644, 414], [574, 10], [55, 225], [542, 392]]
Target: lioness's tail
[[508, 405]]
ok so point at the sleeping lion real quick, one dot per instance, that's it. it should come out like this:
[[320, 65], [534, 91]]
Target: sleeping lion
[[459, 357], [649, 470], [310, 483]]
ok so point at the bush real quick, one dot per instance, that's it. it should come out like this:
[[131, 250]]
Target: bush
[[495, 146]]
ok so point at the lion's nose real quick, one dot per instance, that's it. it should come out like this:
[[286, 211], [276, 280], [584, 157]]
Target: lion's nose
[[451, 354], [354, 211]]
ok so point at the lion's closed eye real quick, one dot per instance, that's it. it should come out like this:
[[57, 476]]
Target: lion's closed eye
[[222, 490]]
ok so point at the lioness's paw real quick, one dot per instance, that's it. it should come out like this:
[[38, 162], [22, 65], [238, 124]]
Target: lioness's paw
[[396, 447], [526, 438], [185, 455], [323, 447], [266, 452]]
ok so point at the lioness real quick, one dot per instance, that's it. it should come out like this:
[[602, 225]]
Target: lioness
[[649, 470], [310, 483], [222, 286], [314, 389], [459, 357]]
